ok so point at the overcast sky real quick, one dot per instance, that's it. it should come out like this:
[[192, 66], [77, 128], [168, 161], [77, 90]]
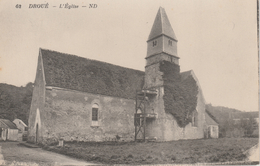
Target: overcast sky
[[217, 39]]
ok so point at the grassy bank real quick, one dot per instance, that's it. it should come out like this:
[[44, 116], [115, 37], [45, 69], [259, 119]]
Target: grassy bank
[[183, 151]]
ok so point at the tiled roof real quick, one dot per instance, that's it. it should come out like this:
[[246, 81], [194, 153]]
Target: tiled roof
[[81, 74], [8, 123]]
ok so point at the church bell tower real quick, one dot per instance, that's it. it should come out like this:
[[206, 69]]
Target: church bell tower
[[161, 46], [161, 53]]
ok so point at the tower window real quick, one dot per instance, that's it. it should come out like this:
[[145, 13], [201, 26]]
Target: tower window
[[154, 43], [170, 42]]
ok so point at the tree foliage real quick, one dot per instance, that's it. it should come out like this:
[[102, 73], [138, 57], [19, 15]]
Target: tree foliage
[[248, 125], [15, 101]]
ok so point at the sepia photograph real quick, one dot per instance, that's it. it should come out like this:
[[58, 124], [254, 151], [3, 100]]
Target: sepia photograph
[[91, 82]]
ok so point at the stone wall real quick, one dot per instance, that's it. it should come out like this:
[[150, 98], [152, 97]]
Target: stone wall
[[214, 131], [155, 48], [155, 126], [170, 48], [68, 115], [38, 99], [153, 76], [161, 57], [174, 132], [165, 127]]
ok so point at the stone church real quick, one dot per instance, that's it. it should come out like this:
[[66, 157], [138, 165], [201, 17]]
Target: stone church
[[80, 99]]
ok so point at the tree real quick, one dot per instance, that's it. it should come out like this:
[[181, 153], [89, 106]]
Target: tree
[[227, 128], [15, 101], [248, 125]]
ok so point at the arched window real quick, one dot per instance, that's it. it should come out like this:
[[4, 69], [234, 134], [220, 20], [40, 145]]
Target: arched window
[[95, 112]]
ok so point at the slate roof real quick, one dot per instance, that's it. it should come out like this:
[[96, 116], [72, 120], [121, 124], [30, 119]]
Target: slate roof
[[161, 26], [81, 74], [8, 123], [210, 119]]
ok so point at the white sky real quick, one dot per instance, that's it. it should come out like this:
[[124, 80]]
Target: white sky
[[217, 40]]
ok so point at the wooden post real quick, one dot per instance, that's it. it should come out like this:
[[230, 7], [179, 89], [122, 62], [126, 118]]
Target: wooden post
[[135, 113], [144, 114]]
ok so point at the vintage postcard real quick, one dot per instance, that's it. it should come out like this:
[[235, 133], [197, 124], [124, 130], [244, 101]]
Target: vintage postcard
[[91, 82]]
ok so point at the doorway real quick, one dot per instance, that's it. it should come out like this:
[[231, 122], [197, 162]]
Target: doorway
[[209, 132], [37, 133]]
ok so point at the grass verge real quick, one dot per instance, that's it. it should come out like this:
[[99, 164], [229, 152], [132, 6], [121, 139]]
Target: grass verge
[[182, 151]]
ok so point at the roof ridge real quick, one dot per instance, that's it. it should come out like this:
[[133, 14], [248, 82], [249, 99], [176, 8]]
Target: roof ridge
[[162, 21], [90, 59], [186, 71]]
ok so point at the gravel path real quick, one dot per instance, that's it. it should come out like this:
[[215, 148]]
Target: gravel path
[[11, 153]]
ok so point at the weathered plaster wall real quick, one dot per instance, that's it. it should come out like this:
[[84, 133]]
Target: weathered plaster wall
[[3, 134], [162, 46], [160, 57], [174, 132], [20, 126], [213, 131], [153, 76], [38, 100], [151, 49], [165, 126], [12, 134], [68, 115], [154, 126], [170, 49]]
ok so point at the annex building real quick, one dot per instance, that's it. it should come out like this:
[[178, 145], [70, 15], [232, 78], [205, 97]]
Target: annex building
[[75, 98]]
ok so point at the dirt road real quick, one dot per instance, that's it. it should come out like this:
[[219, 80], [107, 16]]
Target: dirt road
[[11, 153]]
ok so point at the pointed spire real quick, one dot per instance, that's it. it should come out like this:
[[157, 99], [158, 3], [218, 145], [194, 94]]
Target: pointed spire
[[161, 26]]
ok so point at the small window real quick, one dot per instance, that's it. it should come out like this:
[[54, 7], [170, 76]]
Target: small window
[[194, 119], [170, 42], [95, 112], [154, 43], [94, 118]]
